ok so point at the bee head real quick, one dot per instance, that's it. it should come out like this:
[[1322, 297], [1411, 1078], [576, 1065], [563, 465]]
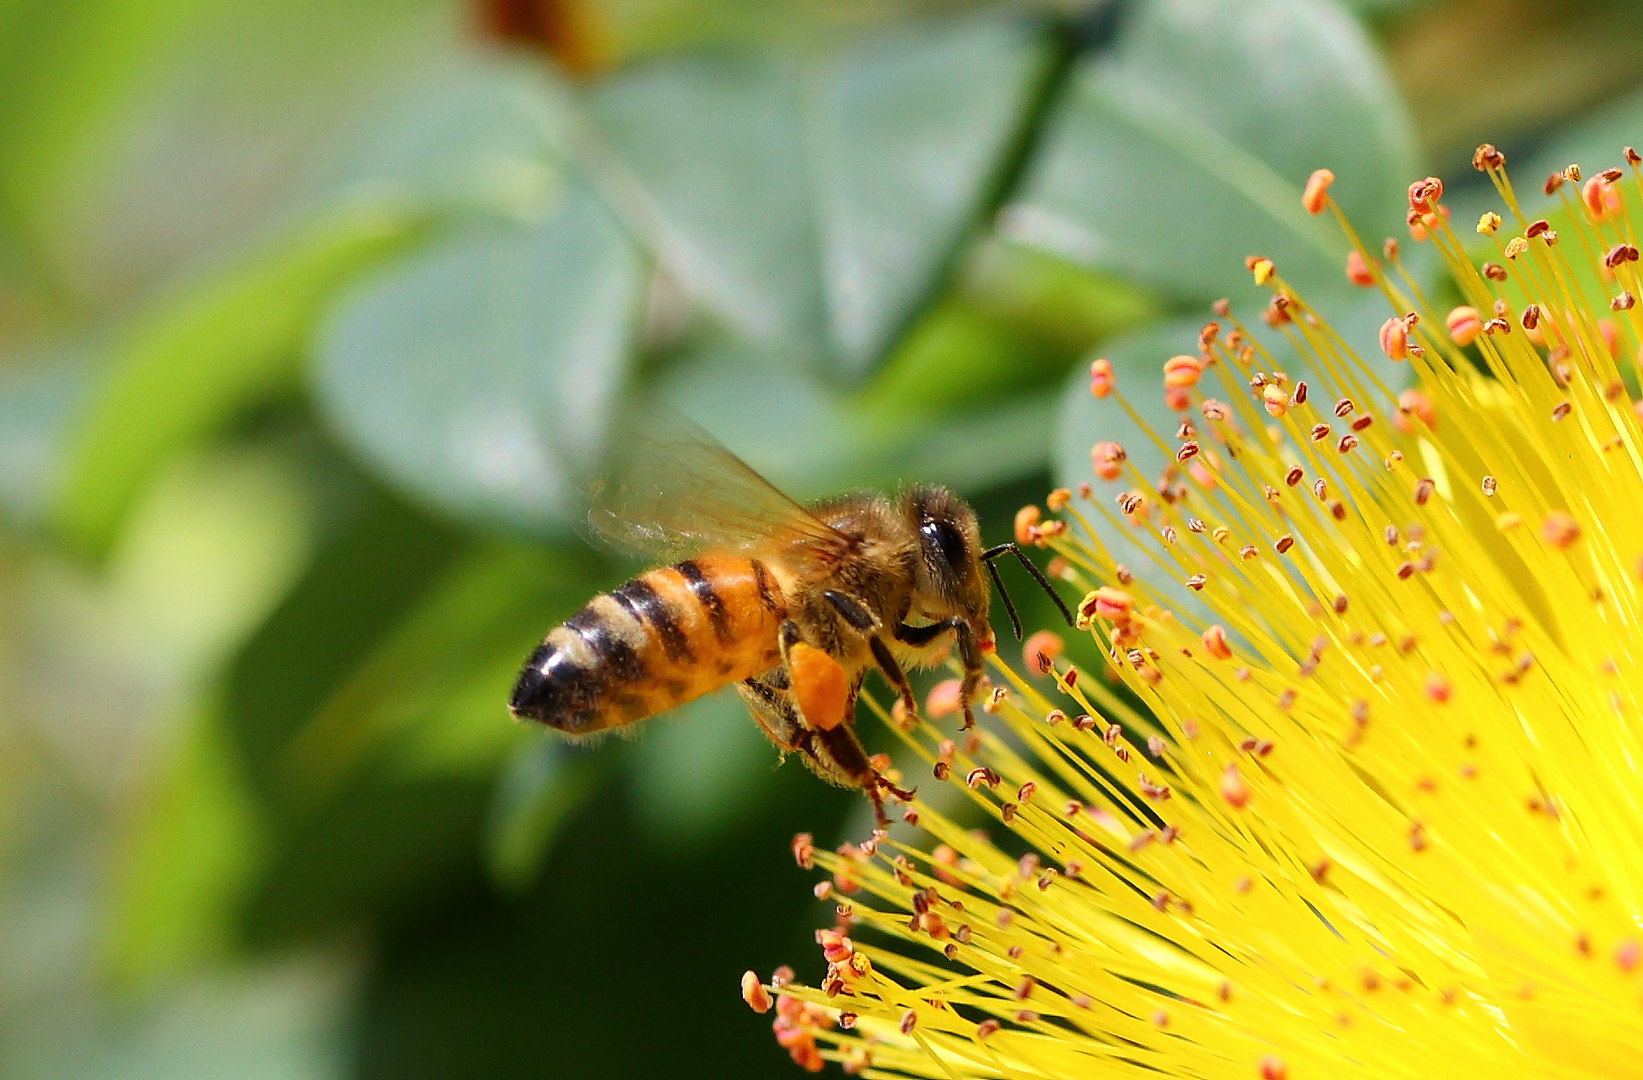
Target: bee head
[[949, 572]]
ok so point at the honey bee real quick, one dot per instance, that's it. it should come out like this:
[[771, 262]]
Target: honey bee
[[792, 604]]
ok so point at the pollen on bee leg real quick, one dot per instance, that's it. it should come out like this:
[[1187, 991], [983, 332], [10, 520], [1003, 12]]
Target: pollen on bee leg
[[820, 686]]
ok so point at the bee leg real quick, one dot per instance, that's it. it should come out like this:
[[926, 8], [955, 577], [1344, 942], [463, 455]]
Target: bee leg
[[969, 653], [771, 707], [821, 689], [894, 675], [852, 611]]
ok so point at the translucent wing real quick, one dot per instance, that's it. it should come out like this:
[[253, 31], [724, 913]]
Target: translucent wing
[[673, 490]]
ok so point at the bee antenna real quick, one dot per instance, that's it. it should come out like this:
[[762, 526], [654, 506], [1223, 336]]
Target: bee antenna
[[992, 553]]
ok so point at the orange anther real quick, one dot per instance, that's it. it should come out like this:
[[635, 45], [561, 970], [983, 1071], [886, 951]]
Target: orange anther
[[1560, 529], [1041, 649], [944, 699], [1316, 195], [1464, 324], [1423, 193], [754, 993], [1101, 378], [1182, 371], [1275, 399], [1414, 406], [1215, 641], [1357, 270], [1026, 524], [1107, 458], [1601, 198], [1233, 788], [1395, 338]]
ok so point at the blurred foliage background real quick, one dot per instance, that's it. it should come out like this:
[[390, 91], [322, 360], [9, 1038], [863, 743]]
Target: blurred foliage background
[[313, 320]]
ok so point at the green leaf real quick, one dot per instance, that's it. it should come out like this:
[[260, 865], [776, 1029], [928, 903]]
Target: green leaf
[[488, 136], [538, 791], [699, 768], [183, 861], [1184, 147], [195, 361], [480, 373], [138, 137], [373, 712], [430, 697], [40, 396], [818, 203], [812, 440]]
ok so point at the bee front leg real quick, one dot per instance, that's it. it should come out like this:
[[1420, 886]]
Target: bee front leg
[[969, 654]]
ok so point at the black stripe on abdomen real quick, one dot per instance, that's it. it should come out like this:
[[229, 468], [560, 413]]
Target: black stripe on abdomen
[[707, 596], [647, 606], [611, 655]]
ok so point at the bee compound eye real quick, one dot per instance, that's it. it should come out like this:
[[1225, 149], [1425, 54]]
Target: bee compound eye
[[946, 538]]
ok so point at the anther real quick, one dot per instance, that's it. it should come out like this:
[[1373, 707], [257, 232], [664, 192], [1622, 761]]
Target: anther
[[1320, 432], [1284, 543], [1489, 485], [1294, 475], [1347, 444], [754, 993], [1101, 378], [1423, 490], [1494, 271], [1316, 194], [1486, 157]]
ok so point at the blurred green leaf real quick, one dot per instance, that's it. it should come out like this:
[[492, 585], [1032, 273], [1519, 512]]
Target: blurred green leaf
[[480, 373], [812, 440], [376, 560], [214, 348], [40, 397], [430, 696], [1184, 146], [183, 862], [542, 785], [489, 135], [140, 136], [700, 767], [380, 777], [822, 201]]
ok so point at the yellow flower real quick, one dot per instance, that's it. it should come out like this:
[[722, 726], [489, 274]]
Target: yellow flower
[[1381, 811]]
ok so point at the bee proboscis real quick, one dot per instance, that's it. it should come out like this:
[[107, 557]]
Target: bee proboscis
[[792, 604]]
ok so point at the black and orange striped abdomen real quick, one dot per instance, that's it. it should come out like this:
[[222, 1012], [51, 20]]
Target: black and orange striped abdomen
[[668, 636]]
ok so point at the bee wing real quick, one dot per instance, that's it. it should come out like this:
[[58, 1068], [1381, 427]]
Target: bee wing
[[673, 490]]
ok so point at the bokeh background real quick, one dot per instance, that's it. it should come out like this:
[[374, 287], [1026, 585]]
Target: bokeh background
[[314, 317]]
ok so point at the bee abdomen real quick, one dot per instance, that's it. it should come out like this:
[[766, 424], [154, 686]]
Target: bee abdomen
[[665, 637]]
